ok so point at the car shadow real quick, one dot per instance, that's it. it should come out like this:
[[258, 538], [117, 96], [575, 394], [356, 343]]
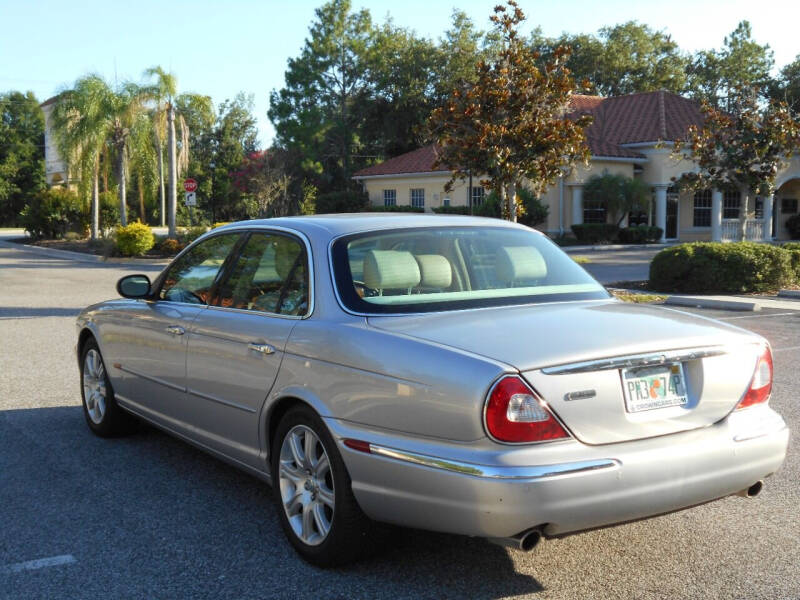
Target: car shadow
[[175, 522]]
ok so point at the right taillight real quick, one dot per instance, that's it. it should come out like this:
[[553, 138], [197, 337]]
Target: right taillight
[[761, 384], [515, 414]]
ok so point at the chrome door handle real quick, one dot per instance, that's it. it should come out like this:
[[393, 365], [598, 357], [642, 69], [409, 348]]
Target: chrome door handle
[[262, 348], [175, 330]]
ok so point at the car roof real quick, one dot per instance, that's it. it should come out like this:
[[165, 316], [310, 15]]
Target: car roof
[[341, 224]]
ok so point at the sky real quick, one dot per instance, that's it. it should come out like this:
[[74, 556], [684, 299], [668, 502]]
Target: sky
[[220, 48]]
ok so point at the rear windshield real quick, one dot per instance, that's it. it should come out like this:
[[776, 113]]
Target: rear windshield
[[453, 268]]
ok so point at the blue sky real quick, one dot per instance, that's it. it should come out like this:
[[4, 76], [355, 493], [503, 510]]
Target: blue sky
[[220, 48]]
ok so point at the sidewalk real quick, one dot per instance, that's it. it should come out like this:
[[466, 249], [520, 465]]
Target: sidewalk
[[82, 256], [743, 303]]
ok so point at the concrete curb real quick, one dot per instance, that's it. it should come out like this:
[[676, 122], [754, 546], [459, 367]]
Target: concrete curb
[[601, 248], [794, 294], [700, 302], [83, 257]]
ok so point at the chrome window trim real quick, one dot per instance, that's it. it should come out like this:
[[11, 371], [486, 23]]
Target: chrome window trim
[[525, 473], [245, 228], [636, 360]]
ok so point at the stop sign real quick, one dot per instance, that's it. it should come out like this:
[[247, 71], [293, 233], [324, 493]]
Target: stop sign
[[189, 185]]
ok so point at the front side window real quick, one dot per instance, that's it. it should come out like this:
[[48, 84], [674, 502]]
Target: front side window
[[730, 204], [418, 197], [702, 208], [390, 197], [452, 268], [270, 275], [191, 277]]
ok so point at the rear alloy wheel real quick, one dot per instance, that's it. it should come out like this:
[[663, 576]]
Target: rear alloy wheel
[[317, 509], [104, 417]]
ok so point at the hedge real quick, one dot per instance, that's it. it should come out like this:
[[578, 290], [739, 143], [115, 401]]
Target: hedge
[[134, 239], [591, 233], [714, 268], [794, 249], [640, 234], [395, 209]]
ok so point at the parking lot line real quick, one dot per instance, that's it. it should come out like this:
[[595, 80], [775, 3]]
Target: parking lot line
[[39, 563], [789, 348], [784, 314]]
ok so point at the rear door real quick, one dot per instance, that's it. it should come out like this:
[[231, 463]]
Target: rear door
[[236, 346]]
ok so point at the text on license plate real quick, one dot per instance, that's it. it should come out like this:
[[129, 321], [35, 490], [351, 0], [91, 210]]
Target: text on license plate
[[649, 388]]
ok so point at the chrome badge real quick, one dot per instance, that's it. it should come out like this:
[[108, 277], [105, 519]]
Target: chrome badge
[[582, 395]]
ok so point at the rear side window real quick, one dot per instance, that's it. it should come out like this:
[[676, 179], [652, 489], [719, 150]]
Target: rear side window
[[270, 275], [191, 277]]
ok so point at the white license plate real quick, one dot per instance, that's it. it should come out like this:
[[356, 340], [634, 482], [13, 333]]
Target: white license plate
[[649, 388]]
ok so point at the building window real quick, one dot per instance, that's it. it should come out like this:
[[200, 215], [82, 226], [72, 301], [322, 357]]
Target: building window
[[759, 210], [446, 201], [702, 208], [390, 197], [730, 204], [418, 197], [636, 219], [594, 211], [789, 206], [476, 195]]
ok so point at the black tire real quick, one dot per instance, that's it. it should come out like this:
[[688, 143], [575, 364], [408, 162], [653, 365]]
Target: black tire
[[352, 534], [112, 421]]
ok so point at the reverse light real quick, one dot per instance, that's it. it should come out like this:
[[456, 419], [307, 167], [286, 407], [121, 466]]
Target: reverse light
[[515, 414], [761, 384]]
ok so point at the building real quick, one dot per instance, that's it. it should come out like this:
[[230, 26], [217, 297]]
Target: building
[[628, 137], [55, 166]]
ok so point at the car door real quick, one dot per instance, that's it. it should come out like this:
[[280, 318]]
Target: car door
[[151, 343], [236, 345]]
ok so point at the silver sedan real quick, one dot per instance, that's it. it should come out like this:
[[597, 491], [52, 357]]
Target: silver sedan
[[446, 373]]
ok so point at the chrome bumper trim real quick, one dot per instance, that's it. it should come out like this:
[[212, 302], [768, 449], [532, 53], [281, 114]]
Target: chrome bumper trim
[[635, 360], [493, 472]]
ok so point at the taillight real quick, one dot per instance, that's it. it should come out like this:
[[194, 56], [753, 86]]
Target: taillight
[[515, 414], [761, 384]]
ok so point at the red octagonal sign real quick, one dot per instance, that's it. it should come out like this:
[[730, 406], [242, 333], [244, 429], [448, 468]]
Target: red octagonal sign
[[189, 185]]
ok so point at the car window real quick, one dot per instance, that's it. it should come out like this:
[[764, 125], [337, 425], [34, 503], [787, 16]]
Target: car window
[[270, 275], [190, 278]]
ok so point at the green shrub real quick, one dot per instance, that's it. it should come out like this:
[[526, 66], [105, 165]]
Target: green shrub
[[714, 267], [395, 209], [490, 207], [134, 239], [534, 212], [193, 233], [109, 211], [593, 233], [347, 201], [793, 226], [640, 234], [451, 210], [53, 212], [170, 247], [793, 248]]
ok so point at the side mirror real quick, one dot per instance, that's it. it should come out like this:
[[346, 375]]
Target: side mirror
[[134, 286]]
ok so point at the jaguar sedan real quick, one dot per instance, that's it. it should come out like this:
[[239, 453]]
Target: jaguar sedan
[[454, 374]]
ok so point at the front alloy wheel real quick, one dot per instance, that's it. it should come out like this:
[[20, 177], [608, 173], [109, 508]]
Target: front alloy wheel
[[104, 417]]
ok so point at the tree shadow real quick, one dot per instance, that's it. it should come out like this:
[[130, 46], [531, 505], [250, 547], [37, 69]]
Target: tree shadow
[[28, 312], [160, 518]]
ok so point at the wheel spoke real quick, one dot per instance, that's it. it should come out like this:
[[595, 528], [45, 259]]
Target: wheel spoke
[[294, 505], [310, 450], [321, 467], [101, 371], [323, 525], [290, 472], [297, 450], [308, 523], [325, 496]]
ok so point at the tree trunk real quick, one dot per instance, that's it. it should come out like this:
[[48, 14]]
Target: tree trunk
[[744, 205], [512, 202], [123, 207], [95, 202], [173, 175], [162, 196], [142, 216]]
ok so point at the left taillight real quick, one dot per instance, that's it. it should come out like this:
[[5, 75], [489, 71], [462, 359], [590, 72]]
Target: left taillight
[[761, 383], [515, 414]]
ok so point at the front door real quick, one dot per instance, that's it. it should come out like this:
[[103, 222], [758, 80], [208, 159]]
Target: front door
[[672, 217], [236, 345]]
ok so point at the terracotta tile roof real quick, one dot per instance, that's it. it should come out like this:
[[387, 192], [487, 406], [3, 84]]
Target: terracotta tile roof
[[645, 117]]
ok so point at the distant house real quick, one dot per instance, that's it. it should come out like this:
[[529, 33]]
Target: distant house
[[626, 138], [55, 167]]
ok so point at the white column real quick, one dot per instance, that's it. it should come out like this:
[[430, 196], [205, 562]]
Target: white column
[[767, 229], [716, 216], [577, 204], [661, 209]]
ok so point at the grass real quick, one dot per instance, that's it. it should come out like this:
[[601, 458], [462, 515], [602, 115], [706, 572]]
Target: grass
[[626, 296]]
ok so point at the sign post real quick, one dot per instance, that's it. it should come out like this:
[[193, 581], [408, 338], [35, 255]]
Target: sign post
[[190, 200]]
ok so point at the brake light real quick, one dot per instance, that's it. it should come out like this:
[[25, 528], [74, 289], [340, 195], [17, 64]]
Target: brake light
[[515, 414], [761, 384]]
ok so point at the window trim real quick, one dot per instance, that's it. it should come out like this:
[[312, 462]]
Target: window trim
[[411, 197], [708, 208], [244, 230], [394, 200]]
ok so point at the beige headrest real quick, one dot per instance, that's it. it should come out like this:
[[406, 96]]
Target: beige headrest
[[519, 263], [435, 270], [390, 269]]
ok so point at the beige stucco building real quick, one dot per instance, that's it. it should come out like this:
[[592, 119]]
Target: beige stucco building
[[55, 167], [631, 135]]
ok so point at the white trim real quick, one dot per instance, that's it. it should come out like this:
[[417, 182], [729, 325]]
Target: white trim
[[621, 159], [645, 144], [396, 175]]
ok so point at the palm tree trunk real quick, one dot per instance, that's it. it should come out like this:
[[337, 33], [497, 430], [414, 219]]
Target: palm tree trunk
[[123, 209], [95, 202], [162, 195], [173, 176], [140, 185]]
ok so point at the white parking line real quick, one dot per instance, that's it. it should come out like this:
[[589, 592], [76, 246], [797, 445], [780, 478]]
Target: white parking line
[[789, 348], [757, 316], [40, 563]]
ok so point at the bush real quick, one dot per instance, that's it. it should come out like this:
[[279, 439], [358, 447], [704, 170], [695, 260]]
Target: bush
[[109, 211], [714, 267], [52, 213], [170, 247], [347, 201], [640, 234], [134, 239], [395, 209], [592, 233], [451, 210], [793, 226], [193, 233], [793, 248], [534, 212], [221, 224]]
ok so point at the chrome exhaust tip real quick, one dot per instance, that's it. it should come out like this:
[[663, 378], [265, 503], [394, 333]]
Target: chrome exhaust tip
[[753, 491], [525, 541]]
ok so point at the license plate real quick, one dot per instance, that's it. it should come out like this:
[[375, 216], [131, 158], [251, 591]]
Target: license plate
[[649, 388]]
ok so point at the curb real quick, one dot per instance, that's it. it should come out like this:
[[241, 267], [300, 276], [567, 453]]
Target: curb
[[83, 257], [700, 302], [794, 294], [601, 248]]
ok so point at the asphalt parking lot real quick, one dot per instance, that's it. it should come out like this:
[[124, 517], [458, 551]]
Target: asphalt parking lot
[[149, 517]]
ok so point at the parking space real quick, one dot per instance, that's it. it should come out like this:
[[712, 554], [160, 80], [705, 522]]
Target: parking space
[[150, 517]]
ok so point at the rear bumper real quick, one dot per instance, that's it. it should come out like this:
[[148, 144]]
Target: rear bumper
[[485, 489]]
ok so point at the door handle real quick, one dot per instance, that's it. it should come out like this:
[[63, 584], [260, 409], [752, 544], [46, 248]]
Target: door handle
[[262, 348], [175, 330]]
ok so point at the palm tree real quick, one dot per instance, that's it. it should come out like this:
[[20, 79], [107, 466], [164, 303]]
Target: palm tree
[[143, 159], [164, 92]]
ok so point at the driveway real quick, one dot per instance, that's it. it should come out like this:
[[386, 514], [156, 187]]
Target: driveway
[[147, 516], [611, 266]]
